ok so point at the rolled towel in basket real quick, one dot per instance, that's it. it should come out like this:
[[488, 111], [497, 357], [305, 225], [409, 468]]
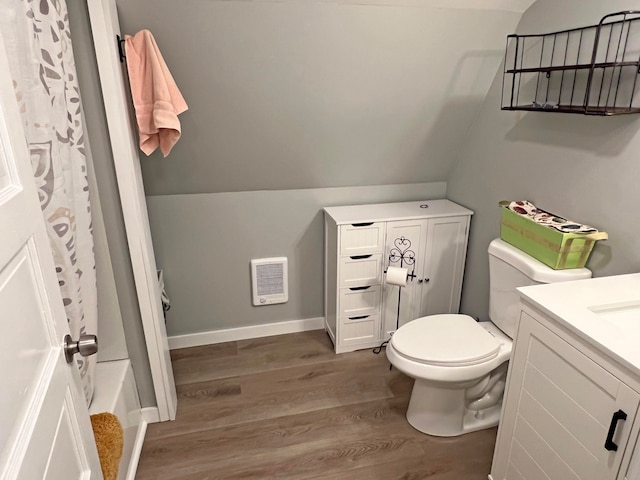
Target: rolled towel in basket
[[523, 207], [549, 220]]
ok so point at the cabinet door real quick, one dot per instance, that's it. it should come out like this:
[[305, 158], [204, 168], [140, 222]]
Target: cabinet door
[[404, 247], [442, 269], [633, 470], [631, 463], [559, 407]]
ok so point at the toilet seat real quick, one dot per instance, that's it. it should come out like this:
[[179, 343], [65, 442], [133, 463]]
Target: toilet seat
[[445, 340]]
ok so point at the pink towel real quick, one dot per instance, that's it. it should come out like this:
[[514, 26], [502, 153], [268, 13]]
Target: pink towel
[[156, 97]]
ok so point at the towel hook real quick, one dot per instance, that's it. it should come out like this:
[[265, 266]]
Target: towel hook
[[121, 48]]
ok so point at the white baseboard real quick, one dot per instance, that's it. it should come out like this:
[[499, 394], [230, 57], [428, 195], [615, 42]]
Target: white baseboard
[[244, 333], [150, 414]]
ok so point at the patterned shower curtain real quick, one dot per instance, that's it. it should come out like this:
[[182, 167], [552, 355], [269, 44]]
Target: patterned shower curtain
[[38, 42]]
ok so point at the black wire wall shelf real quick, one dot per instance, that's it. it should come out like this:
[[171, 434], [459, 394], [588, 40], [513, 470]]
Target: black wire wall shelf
[[589, 70]]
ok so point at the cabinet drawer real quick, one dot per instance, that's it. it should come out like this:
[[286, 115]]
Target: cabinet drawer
[[359, 329], [359, 270], [361, 238], [359, 301]]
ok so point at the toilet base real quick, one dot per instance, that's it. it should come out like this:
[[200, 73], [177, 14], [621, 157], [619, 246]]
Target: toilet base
[[442, 412]]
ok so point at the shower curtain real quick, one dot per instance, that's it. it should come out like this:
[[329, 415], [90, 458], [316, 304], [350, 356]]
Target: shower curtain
[[38, 43]]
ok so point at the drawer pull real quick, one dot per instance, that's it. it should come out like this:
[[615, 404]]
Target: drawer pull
[[609, 444], [360, 317], [355, 289], [366, 224], [360, 257]]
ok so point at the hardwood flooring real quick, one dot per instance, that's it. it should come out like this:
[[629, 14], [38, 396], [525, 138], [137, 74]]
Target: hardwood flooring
[[287, 407]]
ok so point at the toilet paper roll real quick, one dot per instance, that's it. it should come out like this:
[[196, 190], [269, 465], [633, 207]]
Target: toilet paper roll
[[397, 276]]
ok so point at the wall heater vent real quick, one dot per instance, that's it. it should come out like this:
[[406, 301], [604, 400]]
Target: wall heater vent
[[269, 280]]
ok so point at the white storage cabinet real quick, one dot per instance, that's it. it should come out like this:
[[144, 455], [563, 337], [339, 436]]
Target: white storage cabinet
[[429, 238], [569, 409]]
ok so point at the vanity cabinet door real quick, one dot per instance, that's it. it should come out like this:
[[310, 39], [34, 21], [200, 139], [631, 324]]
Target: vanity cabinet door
[[565, 416], [631, 464]]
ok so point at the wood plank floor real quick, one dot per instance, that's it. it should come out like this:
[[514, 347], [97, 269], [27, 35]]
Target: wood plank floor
[[287, 407]]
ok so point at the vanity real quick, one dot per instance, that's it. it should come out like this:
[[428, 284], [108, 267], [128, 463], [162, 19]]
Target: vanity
[[571, 406]]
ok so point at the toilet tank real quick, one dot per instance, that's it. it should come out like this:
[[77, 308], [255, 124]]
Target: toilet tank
[[510, 268]]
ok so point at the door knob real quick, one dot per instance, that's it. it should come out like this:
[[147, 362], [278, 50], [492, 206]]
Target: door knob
[[85, 346]]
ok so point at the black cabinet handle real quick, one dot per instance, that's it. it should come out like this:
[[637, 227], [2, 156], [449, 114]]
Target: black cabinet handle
[[609, 444], [360, 257], [366, 224], [360, 317], [355, 289]]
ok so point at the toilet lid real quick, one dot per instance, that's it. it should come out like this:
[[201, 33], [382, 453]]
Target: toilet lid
[[445, 340]]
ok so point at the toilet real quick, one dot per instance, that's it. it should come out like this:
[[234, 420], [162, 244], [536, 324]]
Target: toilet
[[460, 365]]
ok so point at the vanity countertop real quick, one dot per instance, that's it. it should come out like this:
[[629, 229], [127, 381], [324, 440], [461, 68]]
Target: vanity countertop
[[604, 311]]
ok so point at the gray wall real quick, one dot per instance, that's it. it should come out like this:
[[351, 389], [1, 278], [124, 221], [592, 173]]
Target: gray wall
[[584, 168], [119, 263], [297, 105], [206, 241], [313, 94]]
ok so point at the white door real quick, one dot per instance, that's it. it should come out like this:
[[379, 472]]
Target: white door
[[45, 431]]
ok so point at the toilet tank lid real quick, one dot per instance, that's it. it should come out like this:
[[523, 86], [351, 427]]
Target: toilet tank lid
[[533, 268]]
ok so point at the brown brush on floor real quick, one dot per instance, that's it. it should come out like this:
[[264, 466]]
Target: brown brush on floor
[[109, 440]]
